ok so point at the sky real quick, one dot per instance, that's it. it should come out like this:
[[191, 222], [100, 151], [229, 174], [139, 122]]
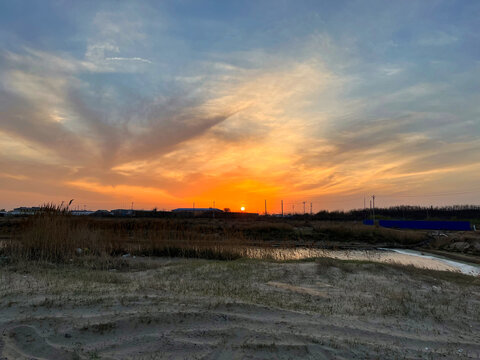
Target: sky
[[170, 103]]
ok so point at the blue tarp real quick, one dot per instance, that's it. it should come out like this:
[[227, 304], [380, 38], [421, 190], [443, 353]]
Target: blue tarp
[[367, 222], [426, 225]]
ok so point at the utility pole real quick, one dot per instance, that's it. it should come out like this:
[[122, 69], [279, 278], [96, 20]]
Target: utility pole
[[265, 207], [282, 207], [304, 208], [293, 209], [364, 208], [311, 209], [373, 198]]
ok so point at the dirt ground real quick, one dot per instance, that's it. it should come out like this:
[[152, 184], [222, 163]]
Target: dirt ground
[[244, 309]]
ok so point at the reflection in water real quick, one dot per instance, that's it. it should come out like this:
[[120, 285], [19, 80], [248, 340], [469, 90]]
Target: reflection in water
[[465, 268]]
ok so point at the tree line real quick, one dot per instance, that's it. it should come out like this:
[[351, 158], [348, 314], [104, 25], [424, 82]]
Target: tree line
[[405, 212]]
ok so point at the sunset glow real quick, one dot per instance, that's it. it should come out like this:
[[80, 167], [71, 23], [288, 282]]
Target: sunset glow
[[126, 102]]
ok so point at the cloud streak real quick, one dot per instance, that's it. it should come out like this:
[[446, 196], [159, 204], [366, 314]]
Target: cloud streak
[[128, 59]]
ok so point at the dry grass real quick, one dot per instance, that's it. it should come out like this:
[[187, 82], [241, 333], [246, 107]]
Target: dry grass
[[352, 288], [365, 308], [399, 291], [56, 236], [345, 306], [369, 234]]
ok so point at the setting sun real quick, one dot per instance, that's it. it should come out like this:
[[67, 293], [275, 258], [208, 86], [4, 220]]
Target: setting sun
[[242, 208]]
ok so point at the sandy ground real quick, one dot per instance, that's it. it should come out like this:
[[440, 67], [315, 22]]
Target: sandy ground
[[244, 309]]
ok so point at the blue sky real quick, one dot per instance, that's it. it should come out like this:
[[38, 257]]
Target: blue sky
[[165, 103]]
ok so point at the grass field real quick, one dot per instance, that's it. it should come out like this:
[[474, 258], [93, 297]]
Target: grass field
[[156, 308], [86, 288], [54, 235]]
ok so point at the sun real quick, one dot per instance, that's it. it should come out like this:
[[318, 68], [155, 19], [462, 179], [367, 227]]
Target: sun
[[242, 208]]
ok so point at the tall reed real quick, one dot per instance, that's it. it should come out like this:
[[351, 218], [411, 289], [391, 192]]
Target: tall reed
[[54, 235]]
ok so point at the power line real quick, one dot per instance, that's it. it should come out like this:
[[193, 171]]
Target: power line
[[348, 198]]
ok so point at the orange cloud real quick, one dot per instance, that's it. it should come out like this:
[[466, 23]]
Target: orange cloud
[[278, 132]]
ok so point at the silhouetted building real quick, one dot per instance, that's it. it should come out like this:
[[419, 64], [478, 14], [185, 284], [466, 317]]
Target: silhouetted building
[[25, 210], [197, 210], [122, 212], [101, 213], [81, 212]]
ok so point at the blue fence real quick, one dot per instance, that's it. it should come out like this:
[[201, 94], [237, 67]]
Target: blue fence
[[426, 225]]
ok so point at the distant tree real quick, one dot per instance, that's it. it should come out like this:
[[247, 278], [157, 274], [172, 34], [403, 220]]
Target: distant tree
[[226, 209]]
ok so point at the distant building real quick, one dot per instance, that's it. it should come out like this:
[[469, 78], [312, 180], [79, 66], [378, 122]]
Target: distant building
[[102, 213], [122, 212], [25, 211], [197, 210], [81, 212]]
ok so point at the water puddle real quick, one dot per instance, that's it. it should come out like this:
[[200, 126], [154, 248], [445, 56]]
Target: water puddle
[[397, 256], [470, 269]]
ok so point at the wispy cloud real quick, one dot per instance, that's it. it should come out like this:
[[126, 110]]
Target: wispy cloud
[[128, 59], [438, 38]]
